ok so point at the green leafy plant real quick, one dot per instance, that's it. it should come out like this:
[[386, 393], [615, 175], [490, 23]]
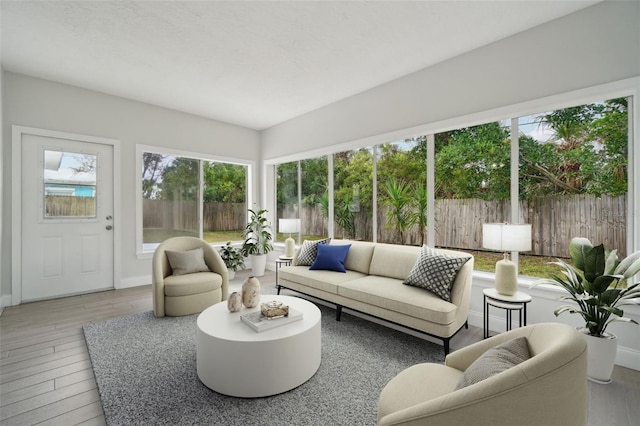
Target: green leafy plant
[[596, 283], [257, 234], [399, 200], [232, 257]]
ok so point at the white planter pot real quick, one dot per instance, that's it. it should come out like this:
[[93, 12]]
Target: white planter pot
[[232, 274], [258, 264], [601, 356]]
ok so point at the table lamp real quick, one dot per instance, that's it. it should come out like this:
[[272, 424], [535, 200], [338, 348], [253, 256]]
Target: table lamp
[[290, 226], [506, 238]]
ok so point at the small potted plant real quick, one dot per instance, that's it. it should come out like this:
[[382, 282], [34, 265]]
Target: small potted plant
[[257, 241], [596, 283], [233, 258]]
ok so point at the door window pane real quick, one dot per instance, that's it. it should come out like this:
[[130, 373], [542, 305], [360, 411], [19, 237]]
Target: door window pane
[[69, 185]]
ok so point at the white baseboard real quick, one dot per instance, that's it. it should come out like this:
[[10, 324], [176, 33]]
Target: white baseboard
[[135, 281], [5, 301], [628, 357]]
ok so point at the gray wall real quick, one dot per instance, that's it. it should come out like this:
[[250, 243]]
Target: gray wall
[[2, 201], [596, 45], [44, 104]]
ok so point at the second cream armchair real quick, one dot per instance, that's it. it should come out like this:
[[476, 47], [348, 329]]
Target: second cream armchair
[[550, 388]]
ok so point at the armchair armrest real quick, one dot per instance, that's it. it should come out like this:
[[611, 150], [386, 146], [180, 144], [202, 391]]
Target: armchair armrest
[[215, 263], [157, 274]]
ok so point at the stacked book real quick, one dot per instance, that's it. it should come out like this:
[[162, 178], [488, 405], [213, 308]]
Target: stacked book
[[260, 322]]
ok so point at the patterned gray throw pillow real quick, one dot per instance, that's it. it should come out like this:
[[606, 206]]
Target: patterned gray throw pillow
[[435, 272], [309, 251]]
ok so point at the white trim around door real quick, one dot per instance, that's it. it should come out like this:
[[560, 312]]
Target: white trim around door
[[16, 199]]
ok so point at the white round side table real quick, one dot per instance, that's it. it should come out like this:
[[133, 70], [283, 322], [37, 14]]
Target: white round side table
[[517, 302]]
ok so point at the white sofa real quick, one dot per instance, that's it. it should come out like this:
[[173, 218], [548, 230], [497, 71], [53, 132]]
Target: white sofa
[[373, 284]]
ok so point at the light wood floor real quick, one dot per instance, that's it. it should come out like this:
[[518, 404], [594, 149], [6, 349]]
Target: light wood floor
[[46, 376]]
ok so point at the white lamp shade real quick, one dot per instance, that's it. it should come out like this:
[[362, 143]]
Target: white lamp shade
[[506, 237], [289, 226]]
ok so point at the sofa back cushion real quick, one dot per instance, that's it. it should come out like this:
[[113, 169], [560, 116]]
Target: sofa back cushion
[[393, 261], [359, 256]]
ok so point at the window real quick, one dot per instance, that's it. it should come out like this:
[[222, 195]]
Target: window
[[353, 194], [402, 195], [472, 172], [573, 179], [288, 200], [224, 206], [314, 198], [69, 185], [570, 180], [185, 196], [301, 188]]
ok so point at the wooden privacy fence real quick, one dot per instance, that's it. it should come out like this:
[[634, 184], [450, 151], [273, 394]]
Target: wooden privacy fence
[[554, 220], [183, 215], [69, 206]]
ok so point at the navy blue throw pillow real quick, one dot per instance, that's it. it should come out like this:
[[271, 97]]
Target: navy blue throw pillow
[[331, 257]]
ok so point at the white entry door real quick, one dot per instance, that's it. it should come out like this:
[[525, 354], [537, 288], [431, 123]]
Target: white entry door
[[67, 217]]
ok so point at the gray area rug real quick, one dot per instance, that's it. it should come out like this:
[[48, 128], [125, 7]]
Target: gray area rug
[[145, 368]]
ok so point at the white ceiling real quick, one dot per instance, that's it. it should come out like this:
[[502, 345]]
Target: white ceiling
[[251, 63]]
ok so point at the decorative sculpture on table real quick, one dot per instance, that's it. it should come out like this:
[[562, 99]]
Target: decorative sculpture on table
[[234, 303], [251, 292]]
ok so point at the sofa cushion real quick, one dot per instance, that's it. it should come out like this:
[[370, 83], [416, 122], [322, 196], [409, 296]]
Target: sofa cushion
[[359, 256], [394, 261], [389, 293], [331, 257], [496, 360], [187, 262], [185, 285], [322, 280], [308, 251], [435, 272]]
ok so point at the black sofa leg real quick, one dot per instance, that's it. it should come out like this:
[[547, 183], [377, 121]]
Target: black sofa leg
[[338, 312], [278, 290], [446, 346], [466, 324]]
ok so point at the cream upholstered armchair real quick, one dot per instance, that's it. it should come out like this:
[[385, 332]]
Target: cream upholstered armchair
[[188, 277], [550, 388]]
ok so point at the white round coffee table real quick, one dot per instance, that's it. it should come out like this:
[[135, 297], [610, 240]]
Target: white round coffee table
[[232, 359]]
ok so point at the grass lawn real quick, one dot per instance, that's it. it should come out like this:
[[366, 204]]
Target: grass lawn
[[533, 266]]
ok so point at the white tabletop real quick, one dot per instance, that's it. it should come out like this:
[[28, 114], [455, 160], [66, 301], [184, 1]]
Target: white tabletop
[[219, 323], [519, 297]]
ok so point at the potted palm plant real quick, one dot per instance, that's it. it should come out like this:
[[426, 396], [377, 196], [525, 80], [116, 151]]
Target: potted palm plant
[[233, 258], [257, 241], [596, 283]]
